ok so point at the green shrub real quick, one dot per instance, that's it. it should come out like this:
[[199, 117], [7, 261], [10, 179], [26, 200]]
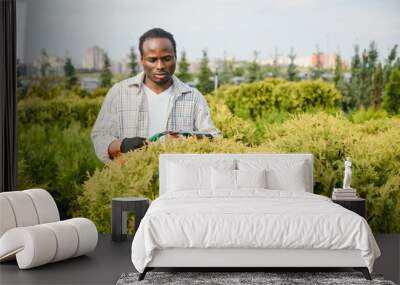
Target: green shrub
[[362, 115], [136, 174], [61, 110], [99, 92], [56, 153], [373, 146], [48, 87], [248, 100], [391, 97], [331, 138], [232, 126], [58, 160], [259, 99]]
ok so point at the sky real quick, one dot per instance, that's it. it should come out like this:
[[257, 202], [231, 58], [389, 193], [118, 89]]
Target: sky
[[232, 27]]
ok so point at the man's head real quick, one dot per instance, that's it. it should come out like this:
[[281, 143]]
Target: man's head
[[158, 55]]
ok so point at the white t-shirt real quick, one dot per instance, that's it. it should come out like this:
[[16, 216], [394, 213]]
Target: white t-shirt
[[158, 108]]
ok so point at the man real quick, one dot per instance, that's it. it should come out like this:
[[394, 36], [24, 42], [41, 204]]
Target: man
[[151, 102]]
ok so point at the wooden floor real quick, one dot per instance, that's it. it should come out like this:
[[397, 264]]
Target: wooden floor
[[111, 259]]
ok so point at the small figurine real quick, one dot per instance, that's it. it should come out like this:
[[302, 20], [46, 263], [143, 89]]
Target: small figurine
[[347, 174]]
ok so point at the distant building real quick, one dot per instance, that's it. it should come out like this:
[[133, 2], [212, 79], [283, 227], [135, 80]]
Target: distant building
[[27, 69], [194, 66], [116, 67], [93, 59], [89, 84], [121, 66], [280, 60], [327, 60], [283, 60], [55, 64], [303, 61], [125, 65]]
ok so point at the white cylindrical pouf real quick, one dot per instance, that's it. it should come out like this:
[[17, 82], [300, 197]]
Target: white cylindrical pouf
[[7, 218], [45, 205], [34, 246], [23, 207], [87, 234], [67, 239]]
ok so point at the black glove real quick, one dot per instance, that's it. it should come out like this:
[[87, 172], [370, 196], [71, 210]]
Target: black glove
[[132, 144]]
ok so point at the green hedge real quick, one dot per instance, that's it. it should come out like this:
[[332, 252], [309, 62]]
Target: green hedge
[[257, 100], [374, 147], [362, 115], [136, 174], [56, 153], [232, 126], [61, 110], [58, 160]]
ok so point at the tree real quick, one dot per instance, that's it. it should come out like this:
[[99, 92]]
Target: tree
[[44, 63], [275, 65], [316, 72], [183, 67], [253, 70], [371, 66], [69, 74], [205, 85], [355, 61], [227, 71], [338, 69], [364, 86], [106, 75], [397, 63], [341, 84], [372, 57], [391, 98], [377, 86], [390, 62], [292, 69], [355, 92], [238, 71], [133, 63]]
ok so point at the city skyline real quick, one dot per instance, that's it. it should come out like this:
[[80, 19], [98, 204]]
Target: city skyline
[[93, 61], [231, 27]]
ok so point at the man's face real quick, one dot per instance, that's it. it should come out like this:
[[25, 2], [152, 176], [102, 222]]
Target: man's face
[[158, 60]]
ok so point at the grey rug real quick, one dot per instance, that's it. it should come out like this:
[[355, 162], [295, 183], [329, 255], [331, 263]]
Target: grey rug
[[228, 278]]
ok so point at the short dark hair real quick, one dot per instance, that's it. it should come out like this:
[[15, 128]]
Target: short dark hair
[[156, 33]]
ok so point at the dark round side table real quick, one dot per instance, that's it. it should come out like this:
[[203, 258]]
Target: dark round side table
[[120, 208]]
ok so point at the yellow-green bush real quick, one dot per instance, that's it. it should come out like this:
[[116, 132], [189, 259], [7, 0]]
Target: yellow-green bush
[[136, 174], [62, 110], [99, 92], [255, 100], [253, 118], [361, 115], [230, 125], [48, 87], [374, 147]]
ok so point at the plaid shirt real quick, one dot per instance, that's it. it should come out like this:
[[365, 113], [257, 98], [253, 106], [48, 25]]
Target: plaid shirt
[[125, 113]]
